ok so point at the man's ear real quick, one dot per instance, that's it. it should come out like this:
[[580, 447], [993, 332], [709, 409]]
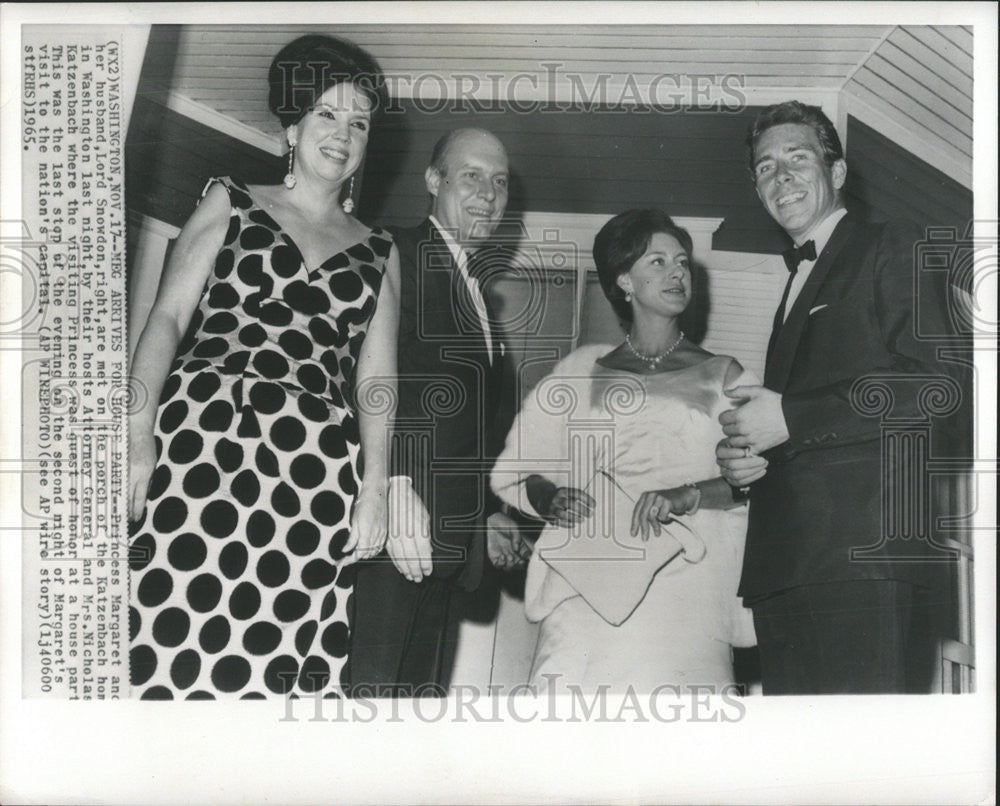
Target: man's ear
[[432, 179], [838, 172]]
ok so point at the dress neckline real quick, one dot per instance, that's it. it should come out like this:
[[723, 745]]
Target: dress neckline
[[279, 229], [664, 373]]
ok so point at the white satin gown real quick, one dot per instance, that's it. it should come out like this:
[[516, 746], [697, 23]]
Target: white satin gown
[[616, 611]]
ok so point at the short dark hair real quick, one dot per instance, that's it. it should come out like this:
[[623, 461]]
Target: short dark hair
[[625, 239], [307, 67], [796, 112]]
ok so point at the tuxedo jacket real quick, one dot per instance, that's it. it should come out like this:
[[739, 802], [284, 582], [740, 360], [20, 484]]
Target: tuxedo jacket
[[852, 361], [447, 432]]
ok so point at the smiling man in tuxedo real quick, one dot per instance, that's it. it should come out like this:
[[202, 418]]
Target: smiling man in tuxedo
[[832, 594], [443, 518]]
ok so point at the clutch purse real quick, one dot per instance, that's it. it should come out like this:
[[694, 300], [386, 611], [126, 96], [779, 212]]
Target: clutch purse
[[602, 562]]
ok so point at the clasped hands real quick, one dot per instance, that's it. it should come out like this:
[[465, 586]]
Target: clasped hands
[[755, 424]]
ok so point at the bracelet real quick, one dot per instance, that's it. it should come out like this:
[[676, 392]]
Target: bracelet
[[697, 500]]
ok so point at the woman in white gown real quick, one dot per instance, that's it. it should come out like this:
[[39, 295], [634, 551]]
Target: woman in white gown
[[634, 579]]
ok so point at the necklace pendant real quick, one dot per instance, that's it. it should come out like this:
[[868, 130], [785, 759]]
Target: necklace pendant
[[652, 362]]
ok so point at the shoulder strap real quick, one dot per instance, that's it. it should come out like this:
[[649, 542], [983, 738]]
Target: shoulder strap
[[380, 241], [225, 181], [239, 195]]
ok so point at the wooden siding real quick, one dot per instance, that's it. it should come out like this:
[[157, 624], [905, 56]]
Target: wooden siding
[[598, 160], [225, 66], [920, 79], [169, 158], [593, 163], [604, 160], [885, 181], [912, 83]]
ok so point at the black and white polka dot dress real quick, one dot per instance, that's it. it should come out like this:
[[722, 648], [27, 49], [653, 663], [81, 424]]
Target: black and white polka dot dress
[[240, 584]]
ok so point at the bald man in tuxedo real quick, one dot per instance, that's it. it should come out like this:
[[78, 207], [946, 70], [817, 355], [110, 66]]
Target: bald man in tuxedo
[[444, 520]]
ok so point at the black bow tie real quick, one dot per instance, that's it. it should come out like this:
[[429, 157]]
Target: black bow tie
[[797, 254]]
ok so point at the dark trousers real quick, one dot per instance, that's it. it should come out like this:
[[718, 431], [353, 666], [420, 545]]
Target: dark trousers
[[835, 638], [398, 631]]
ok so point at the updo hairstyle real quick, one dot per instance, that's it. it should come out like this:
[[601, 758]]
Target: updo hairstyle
[[307, 67]]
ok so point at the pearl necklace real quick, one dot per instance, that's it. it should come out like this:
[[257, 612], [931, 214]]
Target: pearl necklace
[[652, 361]]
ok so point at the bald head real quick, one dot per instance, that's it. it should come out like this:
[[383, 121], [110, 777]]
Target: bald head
[[467, 179], [439, 156]]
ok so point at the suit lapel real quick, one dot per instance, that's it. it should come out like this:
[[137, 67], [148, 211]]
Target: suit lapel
[[786, 336], [777, 322], [436, 267], [461, 308]]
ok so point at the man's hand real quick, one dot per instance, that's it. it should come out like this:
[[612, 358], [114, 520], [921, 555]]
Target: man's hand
[[504, 544], [757, 422], [739, 467], [409, 543]]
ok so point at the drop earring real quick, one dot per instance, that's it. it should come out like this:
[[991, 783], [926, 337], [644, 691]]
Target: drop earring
[[348, 203], [628, 296], [290, 176]]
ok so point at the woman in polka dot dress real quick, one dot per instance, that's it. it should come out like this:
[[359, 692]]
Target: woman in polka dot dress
[[246, 482]]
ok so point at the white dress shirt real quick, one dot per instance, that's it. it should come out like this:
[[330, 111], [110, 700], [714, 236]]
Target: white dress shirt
[[462, 261], [820, 235]]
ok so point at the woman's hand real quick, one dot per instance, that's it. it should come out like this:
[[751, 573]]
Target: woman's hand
[[141, 463], [369, 526], [409, 544], [563, 506], [656, 506], [569, 506]]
